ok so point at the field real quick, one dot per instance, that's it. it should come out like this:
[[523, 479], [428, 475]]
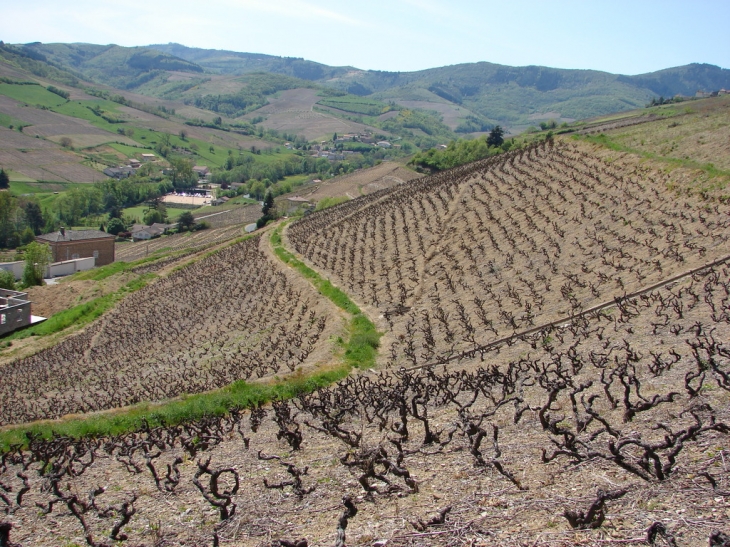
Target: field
[[128, 252], [697, 132], [293, 112], [553, 369], [361, 182], [424, 248], [214, 319], [451, 114]]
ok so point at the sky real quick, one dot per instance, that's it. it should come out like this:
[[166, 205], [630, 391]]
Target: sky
[[618, 36]]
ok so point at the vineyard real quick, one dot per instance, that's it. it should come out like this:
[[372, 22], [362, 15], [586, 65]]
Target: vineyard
[[187, 241], [588, 434], [464, 258], [554, 372], [232, 316]]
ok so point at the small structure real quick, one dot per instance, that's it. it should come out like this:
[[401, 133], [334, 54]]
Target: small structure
[[72, 244], [141, 232], [295, 203], [120, 172], [384, 144], [148, 157], [14, 310], [135, 163], [201, 170]]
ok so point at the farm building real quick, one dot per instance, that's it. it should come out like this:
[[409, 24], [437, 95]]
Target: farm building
[[140, 231], [120, 172], [14, 310], [148, 157], [294, 203], [71, 244], [201, 170]]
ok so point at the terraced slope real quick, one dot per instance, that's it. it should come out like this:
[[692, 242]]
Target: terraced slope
[[469, 256], [232, 316]]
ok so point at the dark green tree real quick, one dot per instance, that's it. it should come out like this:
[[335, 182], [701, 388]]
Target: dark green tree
[[34, 216], [269, 205], [496, 136], [37, 258], [4, 179], [185, 221], [183, 175], [115, 226]]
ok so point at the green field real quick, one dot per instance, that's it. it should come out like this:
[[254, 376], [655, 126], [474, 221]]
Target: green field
[[7, 121], [129, 151], [82, 110], [31, 94], [139, 212]]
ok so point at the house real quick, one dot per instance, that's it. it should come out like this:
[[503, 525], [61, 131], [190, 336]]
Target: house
[[201, 170], [72, 244], [384, 144], [120, 172], [141, 232], [14, 310], [148, 157], [135, 163]]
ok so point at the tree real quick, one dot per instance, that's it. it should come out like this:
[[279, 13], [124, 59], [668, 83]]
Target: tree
[[183, 175], [115, 226], [185, 221], [37, 258], [496, 136], [66, 142], [27, 236], [34, 216], [269, 207], [183, 134], [4, 179]]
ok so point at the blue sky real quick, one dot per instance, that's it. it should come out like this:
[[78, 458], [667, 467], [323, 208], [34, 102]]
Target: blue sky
[[619, 36]]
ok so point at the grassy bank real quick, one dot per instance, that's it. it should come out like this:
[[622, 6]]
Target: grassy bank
[[361, 349], [81, 315], [185, 409]]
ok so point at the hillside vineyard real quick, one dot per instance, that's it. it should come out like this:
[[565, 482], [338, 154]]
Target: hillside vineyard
[[232, 316], [556, 374], [469, 256]]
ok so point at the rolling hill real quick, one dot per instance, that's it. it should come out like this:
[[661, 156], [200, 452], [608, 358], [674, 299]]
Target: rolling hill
[[466, 98]]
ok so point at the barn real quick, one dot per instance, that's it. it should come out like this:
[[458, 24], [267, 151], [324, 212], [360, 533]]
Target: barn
[[71, 244]]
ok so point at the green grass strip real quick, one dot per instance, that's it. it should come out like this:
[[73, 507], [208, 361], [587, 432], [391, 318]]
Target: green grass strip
[[361, 349], [184, 409]]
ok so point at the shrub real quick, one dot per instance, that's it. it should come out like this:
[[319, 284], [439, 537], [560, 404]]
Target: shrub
[[7, 280]]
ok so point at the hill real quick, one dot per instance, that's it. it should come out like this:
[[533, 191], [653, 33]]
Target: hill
[[552, 368], [512, 96], [466, 98]]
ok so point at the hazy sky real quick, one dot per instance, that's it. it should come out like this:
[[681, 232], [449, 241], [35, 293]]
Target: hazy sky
[[620, 36]]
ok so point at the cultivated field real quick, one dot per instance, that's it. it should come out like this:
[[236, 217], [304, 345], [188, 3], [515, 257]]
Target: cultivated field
[[292, 112], [458, 260], [233, 316], [129, 252], [361, 182], [587, 423], [452, 115], [38, 159]]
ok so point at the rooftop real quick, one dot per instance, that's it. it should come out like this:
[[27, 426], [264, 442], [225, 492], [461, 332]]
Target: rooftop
[[64, 235]]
